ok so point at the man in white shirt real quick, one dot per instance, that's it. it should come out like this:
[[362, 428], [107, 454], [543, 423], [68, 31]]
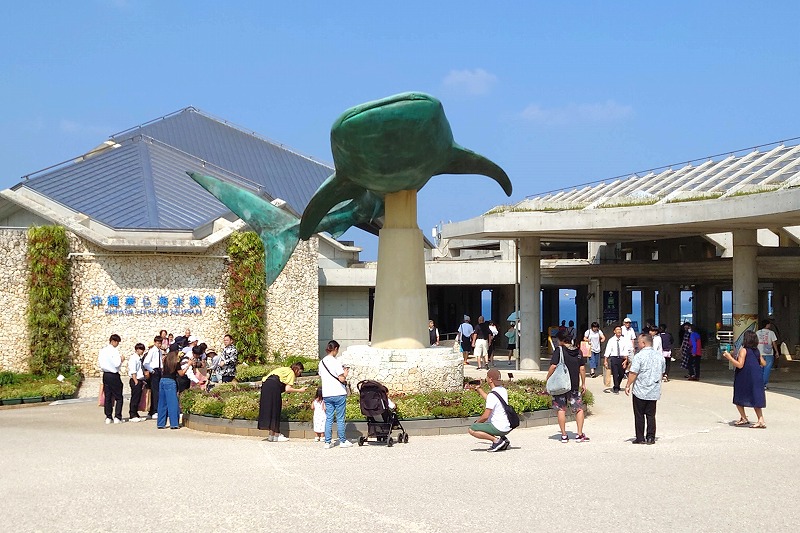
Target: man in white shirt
[[136, 373], [109, 360], [618, 351], [768, 347], [644, 381], [152, 363], [493, 424]]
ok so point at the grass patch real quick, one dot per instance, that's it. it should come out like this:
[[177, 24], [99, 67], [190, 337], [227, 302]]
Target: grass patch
[[256, 372], [628, 202], [696, 197], [755, 190]]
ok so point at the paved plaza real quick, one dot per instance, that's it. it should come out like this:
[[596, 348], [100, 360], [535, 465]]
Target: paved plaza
[[64, 470]]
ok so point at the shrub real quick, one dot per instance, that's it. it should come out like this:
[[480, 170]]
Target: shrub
[[252, 372], [7, 378], [49, 294], [29, 385], [241, 406], [208, 405]]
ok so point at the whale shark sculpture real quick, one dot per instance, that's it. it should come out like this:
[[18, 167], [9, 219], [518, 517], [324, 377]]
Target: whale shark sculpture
[[277, 228], [394, 144]]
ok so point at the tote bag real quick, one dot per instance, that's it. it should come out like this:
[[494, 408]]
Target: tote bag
[[559, 382]]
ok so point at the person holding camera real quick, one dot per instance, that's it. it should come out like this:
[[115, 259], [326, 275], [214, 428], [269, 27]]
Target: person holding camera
[[334, 393], [493, 424]]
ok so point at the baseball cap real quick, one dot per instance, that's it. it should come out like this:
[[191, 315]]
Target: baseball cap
[[192, 339], [626, 321]]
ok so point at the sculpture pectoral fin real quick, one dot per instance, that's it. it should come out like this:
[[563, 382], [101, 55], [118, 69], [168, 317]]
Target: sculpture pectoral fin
[[334, 190], [465, 161], [277, 228]]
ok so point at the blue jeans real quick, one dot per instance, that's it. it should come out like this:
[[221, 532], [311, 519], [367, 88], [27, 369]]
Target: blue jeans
[[167, 403], [770, 359], [334, 405], [594, 360]]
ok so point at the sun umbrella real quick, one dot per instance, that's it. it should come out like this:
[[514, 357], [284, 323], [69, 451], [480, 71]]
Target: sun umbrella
[[513, 317]]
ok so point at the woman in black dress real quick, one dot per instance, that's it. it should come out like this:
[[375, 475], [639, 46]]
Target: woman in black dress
[[273, 385], [748, 381]]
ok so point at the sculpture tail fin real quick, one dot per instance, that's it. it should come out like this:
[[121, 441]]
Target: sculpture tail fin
[[465, 161], [278, 229]]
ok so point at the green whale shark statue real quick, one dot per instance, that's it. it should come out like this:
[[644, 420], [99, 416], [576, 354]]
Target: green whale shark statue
[[389, 145], [394, 144], [278, 228]]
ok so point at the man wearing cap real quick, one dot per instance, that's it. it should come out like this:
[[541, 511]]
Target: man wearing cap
[[629, 334], [465, 338], [228, 359], [493, 424]]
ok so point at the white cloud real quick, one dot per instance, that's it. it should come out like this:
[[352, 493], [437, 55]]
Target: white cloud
[[608, 111], [473, 82]]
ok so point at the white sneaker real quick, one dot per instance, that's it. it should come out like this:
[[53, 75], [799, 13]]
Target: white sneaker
[[316, 439], [328, 445], [345, 444], [155, 416], [279, 438], [180, 419], [136, 419], [118, 421], [108, 421]]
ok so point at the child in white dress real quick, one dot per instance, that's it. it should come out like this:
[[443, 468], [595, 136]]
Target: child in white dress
[[318, 405]]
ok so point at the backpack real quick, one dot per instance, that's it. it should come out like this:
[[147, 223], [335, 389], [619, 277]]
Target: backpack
[[513, 417], [559, 382]]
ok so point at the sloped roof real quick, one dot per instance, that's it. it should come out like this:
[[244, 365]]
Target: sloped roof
[[140, 182], [730, 176]]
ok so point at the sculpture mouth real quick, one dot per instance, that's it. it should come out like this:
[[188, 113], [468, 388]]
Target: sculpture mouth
[[384, 102]]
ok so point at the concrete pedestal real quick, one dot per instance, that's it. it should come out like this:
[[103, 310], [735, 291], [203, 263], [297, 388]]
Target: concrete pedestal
[[406, 370]]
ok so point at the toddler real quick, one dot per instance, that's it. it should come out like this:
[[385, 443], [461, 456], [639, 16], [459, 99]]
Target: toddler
[[318, 405]]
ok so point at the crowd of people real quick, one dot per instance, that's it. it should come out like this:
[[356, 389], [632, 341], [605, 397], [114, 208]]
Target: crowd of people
[[160, 373]]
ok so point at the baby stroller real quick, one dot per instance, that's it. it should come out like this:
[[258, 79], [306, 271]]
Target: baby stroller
[[379, 410]]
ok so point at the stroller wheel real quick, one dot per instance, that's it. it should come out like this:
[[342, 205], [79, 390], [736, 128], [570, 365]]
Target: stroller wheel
[[390, 442], [405, 438], [361, 441], [400, 438]]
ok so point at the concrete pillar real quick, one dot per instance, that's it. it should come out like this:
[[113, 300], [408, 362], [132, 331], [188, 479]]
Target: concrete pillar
[[401, 298], [786, 304], [530, 285], [708, 310], [648, 306], [550, 307], [669, 306], [745, 283], [581, 309], [625, 304], [610, 319], [594, 304]]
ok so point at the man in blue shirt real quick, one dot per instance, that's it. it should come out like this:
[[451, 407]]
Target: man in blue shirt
[[644, 380]]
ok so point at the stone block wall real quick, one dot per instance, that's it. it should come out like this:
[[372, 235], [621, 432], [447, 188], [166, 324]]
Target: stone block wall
[[136, 294], [293, 304], [13, 300]]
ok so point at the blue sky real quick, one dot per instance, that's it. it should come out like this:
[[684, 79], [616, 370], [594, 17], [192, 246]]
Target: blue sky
[[556, 93]]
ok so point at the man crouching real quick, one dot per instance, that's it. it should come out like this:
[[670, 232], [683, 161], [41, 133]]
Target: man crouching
[[493, 424]]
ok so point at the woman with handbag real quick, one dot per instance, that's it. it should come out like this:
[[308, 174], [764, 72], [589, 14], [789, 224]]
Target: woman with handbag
[[748, 381], [334, 394]]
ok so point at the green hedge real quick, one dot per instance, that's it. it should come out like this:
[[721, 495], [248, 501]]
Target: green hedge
[[256, 372], [238, 400], [13, 386], [49, 294], [246, 296]]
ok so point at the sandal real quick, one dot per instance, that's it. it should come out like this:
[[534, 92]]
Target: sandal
[[758, 426], [741, 422]]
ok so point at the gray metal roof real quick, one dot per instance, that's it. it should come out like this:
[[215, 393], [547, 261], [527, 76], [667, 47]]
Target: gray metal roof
[[141, 183]]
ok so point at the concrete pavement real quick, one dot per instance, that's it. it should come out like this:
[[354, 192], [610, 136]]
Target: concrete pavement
[[64, 470]]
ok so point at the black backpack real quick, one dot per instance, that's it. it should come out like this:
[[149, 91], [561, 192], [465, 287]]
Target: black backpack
[[513, 417]]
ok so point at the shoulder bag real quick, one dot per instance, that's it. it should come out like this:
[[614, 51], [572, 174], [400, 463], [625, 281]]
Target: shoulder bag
[[559, 382], [345, 384]]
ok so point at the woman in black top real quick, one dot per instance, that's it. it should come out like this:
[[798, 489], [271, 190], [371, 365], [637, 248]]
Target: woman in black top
[[168, 392]]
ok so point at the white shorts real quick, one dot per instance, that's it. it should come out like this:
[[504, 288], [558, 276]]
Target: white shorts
[[481, 348]]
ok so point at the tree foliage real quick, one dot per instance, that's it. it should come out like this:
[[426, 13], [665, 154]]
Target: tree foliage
[[49, 296], [246, 296]]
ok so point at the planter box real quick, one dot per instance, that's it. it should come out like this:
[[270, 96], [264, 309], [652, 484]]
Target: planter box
[[12, 401], [33, 399]]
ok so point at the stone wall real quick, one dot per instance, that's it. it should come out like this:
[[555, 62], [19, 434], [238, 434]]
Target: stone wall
[[136, 294], [14, 300], [405, 370], [293, 304]]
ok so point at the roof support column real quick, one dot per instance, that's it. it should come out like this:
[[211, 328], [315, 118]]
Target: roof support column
[[529, 289], [745, 283]]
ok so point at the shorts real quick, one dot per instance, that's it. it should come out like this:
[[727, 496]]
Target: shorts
[[466, 346], [488, 427], [572, 398], [512, 346], [481, 348]]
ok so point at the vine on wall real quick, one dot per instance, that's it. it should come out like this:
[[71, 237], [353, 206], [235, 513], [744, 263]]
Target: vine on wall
[[49, 295], [246, 296]]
